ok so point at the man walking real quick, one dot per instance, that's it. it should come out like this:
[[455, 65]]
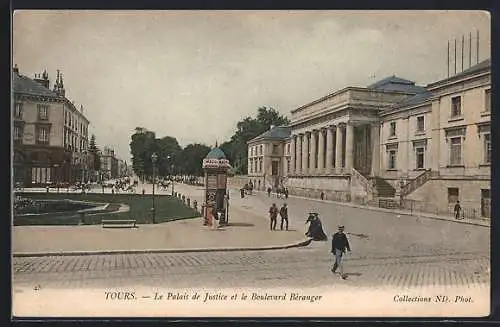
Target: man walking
[[284, 216], [273, 214], [339, 246], [457, 210]]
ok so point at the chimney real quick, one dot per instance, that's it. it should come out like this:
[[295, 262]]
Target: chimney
[[42, 79]]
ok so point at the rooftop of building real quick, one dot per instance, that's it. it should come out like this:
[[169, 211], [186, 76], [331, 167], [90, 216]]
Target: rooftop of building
[[484, 65], [397, 84], [274, 133], [25, 85]]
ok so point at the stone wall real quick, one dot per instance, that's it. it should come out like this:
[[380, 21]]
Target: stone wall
[[333, 188], [435, 191]]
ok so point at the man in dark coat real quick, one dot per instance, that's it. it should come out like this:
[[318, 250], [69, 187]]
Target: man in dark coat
[[273, 215], [457, 210], [284, 216], [340, 244]]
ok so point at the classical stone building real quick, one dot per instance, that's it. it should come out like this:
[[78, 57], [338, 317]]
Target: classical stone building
[[268, 158], [390, 140], [441, 150], [49, 132]]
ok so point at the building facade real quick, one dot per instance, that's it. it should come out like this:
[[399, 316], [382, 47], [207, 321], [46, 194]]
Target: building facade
[[268, 158], [391, 140], [109, 164], [49, 133]]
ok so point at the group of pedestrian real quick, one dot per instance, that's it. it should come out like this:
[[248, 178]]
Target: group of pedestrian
[[340, 243], [273, 215], [281, 192]]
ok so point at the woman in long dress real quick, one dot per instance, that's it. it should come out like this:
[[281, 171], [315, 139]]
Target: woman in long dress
[[315, 230]]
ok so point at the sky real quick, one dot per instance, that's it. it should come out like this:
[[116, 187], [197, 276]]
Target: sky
[[194, 74]]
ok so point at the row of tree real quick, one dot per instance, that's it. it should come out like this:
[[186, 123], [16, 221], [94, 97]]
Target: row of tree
[[173, 159]]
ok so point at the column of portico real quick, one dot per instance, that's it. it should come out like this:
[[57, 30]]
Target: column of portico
[[375, 138], [305, 151], [338, 148], [321, 151], [312, 150], [298, 155], [349, 146], [329, 149], [292, 154]]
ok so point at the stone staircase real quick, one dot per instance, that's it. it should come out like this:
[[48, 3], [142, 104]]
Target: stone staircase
[[383, 188], [418, 181]]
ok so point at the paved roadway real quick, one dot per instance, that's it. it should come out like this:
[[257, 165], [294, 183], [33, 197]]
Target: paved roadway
[[387, 250]]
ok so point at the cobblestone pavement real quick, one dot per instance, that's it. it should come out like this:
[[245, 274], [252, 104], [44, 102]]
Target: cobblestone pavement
[[308, 266]]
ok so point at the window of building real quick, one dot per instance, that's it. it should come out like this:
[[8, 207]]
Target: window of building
[[456, 106], [420, 124], [392, 131], [420, 156], [18, 133], [487, 148], [260, 165], [275, 149], [455, 151], [288, 166], [43, 112], [487, 100], [288, 148], [42, 135], [452, 195], [392, 159], [18, 110], [261, 149], [40, 175]]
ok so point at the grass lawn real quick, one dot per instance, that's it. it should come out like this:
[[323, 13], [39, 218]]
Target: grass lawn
[[167, 208]]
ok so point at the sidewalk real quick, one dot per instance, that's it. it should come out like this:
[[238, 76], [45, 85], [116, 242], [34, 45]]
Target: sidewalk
[[246, 231], [476, 222]]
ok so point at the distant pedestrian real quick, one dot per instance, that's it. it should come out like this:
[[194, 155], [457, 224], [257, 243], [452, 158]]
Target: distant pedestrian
[[242, 192], [339, 246], [286, 192], [322, 195], [457, 210], [269, 191], [284, 216], [273, 215], [143, 191]]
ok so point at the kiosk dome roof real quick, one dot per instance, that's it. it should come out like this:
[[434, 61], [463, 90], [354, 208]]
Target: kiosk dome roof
[[216, 153]]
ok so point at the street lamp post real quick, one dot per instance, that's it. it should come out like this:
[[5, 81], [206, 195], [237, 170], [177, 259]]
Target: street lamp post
[[154, 157]]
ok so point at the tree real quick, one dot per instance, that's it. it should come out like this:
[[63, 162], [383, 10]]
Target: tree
[[247, 129], [192, 158], [144, 143], [168, 150], [141, 147], [95, 156]]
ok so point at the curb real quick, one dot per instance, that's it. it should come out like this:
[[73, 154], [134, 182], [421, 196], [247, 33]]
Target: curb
[[151, 251], [395, 211]]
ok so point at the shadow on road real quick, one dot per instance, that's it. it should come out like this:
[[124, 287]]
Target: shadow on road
[[240, 225]]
